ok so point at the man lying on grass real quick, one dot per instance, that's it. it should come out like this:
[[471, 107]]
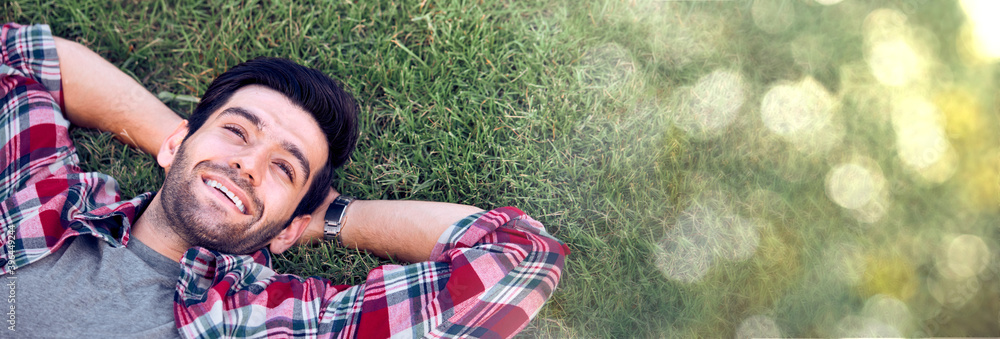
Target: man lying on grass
[[249, 171]]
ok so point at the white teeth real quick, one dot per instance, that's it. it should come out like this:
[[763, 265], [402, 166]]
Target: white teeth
[[236, 200]]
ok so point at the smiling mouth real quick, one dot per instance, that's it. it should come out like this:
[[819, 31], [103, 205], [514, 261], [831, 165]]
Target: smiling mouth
[[229, 194]]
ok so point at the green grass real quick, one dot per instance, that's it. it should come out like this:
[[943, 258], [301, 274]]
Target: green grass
[[576, 112]]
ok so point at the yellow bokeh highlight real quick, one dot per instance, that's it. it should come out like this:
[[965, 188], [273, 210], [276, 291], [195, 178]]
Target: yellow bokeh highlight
[[979, 177], [962, 116], [889, 274], [980, 185]]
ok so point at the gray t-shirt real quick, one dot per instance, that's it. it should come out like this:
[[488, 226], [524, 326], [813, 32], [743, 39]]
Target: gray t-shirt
[[89, 289]]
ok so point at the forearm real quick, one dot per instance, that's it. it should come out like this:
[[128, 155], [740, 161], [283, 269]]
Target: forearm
[[96, 94], [402, 229]]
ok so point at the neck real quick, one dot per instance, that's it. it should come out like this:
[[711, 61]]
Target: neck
[[152, 229]]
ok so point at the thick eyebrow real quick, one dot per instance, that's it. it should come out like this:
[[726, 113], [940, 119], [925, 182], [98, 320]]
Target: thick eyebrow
[[290, 148], [287, 146], [239, 111]]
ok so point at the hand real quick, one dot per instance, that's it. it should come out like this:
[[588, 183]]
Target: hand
[[314, 232]]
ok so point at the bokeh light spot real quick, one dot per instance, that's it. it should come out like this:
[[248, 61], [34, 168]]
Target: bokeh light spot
[[984, 26], [963, 257], [920, 139], [894, 62], [758, 326], [884, 24], [888, 48], [791, 109], [889, 311], [859, 186], [681, 259], [851, 186], [712, 103], [828, 2], [802, 114], [861, 327], [953, 294], [707, 230], [607, 65]]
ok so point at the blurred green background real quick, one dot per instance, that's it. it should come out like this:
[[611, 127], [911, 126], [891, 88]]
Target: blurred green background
[[758, 168]]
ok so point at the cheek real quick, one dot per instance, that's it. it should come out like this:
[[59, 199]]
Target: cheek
[[210, 145], [279, 196]]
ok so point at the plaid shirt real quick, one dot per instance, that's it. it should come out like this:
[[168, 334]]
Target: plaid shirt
[[490, 272]]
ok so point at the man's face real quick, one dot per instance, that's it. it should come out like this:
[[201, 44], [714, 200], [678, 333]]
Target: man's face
[[233, 184]]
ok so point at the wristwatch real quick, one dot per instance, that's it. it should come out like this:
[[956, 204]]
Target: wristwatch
[[335, 218]]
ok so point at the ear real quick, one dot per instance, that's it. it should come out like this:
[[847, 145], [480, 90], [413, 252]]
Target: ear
[[170, 145], [290, 234]]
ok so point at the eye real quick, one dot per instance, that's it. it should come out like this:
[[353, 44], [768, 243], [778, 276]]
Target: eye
[[287, 169], [237, 131]]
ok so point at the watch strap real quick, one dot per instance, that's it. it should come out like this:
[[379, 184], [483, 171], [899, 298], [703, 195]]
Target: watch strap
[[334, 219]]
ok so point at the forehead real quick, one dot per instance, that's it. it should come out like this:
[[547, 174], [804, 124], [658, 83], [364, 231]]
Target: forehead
[[279, 120]]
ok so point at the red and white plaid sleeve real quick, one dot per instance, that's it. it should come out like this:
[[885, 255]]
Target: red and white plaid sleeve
[[490, 274]]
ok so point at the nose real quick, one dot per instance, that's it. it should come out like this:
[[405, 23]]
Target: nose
[[248, 165]]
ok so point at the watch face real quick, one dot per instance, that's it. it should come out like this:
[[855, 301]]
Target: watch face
[[333, 213]]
